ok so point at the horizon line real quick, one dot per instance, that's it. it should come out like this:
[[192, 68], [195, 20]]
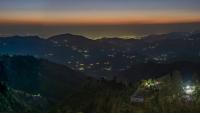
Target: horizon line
[[96, 23], [104, 37]]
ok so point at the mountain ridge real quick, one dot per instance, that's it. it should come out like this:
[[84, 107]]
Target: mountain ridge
[[105, 57]]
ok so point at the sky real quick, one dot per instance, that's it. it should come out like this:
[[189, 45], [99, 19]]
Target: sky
[[98, 18]]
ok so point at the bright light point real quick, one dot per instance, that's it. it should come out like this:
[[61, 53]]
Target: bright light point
[[187, 87]]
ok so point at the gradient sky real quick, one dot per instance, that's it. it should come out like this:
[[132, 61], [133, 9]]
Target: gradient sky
[[98, 17]]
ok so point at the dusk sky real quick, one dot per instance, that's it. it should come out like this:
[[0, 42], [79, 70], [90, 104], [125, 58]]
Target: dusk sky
[[98, 18]]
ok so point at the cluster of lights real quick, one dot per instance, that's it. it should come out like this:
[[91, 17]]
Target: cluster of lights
[[150, 83], [189, 89]]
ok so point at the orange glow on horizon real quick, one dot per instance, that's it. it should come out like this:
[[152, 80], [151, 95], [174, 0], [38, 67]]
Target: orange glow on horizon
[[98, 18], [98, 21]]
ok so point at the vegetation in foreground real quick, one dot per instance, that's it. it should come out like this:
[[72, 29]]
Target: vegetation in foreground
[[167, 94], [12, 101]]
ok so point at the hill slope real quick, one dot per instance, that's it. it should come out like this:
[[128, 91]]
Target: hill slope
[[38, 76]]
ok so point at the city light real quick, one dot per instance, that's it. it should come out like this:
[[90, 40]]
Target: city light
[[150, 83]]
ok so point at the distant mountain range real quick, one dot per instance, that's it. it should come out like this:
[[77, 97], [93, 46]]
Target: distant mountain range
[[105, 57]]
